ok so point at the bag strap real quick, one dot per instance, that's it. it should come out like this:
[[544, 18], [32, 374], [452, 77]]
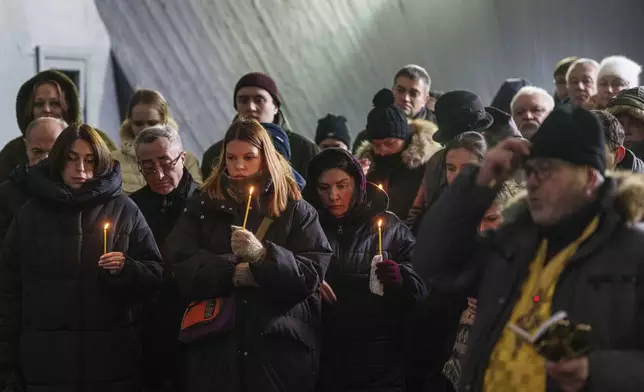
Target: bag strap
[[263, 228]]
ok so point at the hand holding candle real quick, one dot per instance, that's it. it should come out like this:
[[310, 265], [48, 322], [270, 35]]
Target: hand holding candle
[[113, 261], [250, 195]]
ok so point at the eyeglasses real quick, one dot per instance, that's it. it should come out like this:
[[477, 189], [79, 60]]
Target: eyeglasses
[[542, 169], [149, 168]]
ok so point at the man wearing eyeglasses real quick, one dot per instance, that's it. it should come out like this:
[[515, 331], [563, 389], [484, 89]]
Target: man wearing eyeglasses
[[575, 247], [161, 158]]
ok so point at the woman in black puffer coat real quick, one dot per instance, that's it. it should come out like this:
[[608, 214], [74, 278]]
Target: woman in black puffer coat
[[362, 346], [270, 342], [66, 307]]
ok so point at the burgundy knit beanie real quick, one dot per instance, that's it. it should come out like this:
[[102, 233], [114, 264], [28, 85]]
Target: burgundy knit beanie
[[261, 80]]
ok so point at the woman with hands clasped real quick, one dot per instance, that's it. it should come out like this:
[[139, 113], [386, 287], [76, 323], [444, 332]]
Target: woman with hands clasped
[[365, 299], [66, 303], [270, 343]]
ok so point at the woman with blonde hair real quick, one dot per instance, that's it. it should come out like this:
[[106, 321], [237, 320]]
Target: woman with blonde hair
[[147, 108], [263, 273]]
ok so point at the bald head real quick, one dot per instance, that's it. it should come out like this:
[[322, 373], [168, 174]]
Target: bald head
[[40, 136]]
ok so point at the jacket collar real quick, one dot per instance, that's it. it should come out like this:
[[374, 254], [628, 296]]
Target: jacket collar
[[621, 203], [418, 151]]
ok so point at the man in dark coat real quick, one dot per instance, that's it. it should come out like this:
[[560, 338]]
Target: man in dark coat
[[412, 93], [161, 160], [66, 106], [256, 97], [584, 226], [40, 136]]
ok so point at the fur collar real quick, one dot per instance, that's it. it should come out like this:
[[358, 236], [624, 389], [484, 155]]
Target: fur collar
[[127, 136], [626, 197], [421, 147]]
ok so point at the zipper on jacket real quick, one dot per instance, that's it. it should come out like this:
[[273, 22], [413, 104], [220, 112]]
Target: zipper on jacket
[[81, 311]]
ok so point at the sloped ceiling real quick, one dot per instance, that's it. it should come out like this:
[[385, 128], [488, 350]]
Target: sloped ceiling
[[332, 56]]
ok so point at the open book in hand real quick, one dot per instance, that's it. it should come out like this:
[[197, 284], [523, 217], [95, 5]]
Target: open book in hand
[[557, 338]]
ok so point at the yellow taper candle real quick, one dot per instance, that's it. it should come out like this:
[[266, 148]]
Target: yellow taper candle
[[380, 237], [250, 195], [107, 225]]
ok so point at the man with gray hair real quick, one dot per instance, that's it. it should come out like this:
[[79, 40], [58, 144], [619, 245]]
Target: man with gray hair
[[530, 106], [169, 185], [581, 80], [40, 136]]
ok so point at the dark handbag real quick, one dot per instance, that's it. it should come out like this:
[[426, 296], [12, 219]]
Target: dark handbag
[[211, 316]]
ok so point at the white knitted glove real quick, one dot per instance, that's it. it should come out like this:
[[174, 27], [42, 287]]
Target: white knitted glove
[[246, 247], [375, 286]]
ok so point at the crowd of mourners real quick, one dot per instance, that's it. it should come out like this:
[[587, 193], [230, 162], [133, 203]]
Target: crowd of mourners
[[448, 246]]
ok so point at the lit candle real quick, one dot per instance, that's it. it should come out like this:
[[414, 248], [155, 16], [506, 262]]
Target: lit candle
[[250, 195], [381, 188], [107, 225], [380, 237]]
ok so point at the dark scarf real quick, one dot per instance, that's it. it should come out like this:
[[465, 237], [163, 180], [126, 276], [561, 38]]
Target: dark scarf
[[388, 162], [237, 188]]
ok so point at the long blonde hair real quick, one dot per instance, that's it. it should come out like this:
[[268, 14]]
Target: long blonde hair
[[279, 169]]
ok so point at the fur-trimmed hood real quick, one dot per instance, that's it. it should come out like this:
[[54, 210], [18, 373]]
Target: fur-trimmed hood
[[628, 110], [420, 148], [127, 136], [625, 196]]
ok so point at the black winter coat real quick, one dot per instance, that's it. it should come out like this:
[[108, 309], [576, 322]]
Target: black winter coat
[[162, 211], [362, 334], [274, 344], [13, 194], [402, 175], [601, 285], [72, 322], [162, 316]]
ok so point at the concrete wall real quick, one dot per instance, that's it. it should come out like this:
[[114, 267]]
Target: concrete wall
[[332, 56], [66, 25]]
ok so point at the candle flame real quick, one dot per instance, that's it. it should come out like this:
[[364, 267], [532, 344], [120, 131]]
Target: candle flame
[[107, 225], [379, 223], [380, 186], [251, 191]]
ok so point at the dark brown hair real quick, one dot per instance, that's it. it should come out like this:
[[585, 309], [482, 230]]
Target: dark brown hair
[[473, 142], [59, 154], [613, 130], [252, 132]]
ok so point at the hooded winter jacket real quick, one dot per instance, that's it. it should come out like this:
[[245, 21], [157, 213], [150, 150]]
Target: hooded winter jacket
[[401, 174], [133, 180], [362, 333], [14, 153], [302, 149], [67, 323], [600, 286], [274, 344]]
